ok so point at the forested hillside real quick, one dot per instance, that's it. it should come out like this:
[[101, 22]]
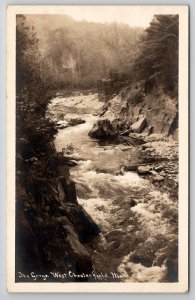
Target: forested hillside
[[79, 53]]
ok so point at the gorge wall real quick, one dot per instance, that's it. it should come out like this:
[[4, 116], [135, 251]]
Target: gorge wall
[[51, 227], [138, 109]]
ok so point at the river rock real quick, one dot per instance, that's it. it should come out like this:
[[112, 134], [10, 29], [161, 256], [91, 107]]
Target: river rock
[[131, 167], [159, 168], [147, 146], [132, 202], [102, 129], [153, 172], [129, 140], [142, 257], [139, 125], [143, 169], [75, 121], [62, 124], [71, 163], [158, 178]]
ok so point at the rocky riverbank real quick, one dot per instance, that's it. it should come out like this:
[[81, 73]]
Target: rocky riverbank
[[135, 110], [147, 119]]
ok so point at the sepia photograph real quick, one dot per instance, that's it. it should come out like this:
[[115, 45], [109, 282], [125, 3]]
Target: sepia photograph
[[97, 147]]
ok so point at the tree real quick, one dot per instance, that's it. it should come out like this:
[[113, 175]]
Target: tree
[[159, 56]]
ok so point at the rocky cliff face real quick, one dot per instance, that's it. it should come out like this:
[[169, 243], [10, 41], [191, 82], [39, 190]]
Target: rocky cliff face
[[135, 109], [52, 229]]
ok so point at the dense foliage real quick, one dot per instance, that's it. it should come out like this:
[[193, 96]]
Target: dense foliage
[[34, 132]]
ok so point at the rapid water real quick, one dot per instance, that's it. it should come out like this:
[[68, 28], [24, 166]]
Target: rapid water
[[135, 242]]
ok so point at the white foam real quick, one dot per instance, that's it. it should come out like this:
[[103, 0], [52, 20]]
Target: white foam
[[139, 273], [99, 209]]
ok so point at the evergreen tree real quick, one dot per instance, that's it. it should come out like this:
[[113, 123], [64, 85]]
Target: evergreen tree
[[159, 57]]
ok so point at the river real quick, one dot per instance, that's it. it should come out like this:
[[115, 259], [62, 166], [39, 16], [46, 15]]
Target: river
[[134, 217]]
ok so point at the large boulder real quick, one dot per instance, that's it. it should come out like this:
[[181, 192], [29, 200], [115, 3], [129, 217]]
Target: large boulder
[[103, 129]]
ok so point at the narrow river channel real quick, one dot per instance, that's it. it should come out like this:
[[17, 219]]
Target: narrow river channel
[[134, 217]]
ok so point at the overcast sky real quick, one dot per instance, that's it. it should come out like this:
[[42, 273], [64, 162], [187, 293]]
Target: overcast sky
[[122, 14]]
